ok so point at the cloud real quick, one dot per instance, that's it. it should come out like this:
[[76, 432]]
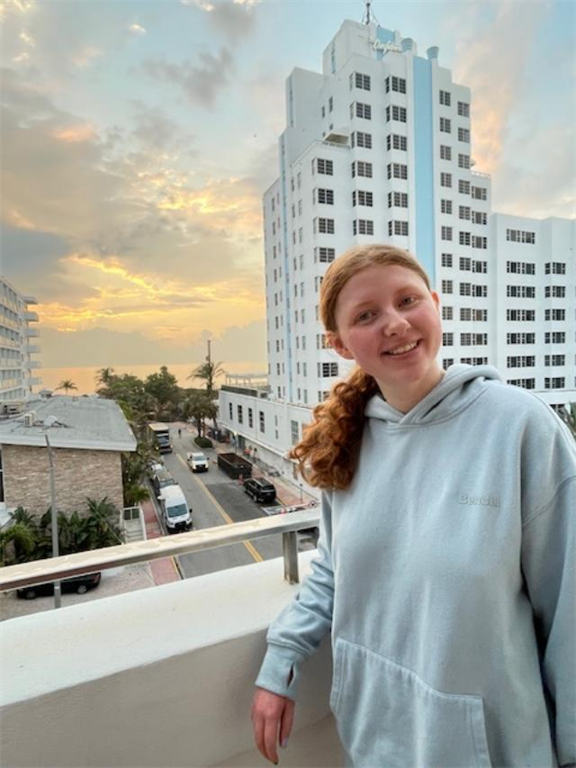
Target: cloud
[[136, 30], [201, 83], [236, 20], [103, 347], [492, 62], [153, 129]]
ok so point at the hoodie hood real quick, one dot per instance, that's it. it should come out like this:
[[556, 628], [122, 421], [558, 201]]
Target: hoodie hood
[[461, 385]]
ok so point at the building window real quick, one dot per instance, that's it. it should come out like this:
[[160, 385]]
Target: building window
[[464, 135], [250, 418], [554, 360], [445, 152], [261, 421], [446, 260], [363, 227], [447, 286], [555, 268], [394, 112], [326, 370], [397, 171], [521, 291], [556, 382], [463, 109], [359, 109], [395, 141], [555, 337], [463, 187], [324, 255], [479, 217], [556, 291], [558, 315], [397, 84], [445, 98], [398, 228], [464, 238], [240, 415], [521, 315], [464, 212], [358, 80], [446, 233], [446, 206], [320, 165], [361, 168], [362, 197], [447, 313], [524, 383], [397, 200], [448, 339], [464, 161], [361, 139], [324, 226], [520, 236], [230, 411], [331, 104], [294, 432], [479, 193], [520, 338], [445, 125], [324, 196], [445, 179], [520, 267], [479, 242]]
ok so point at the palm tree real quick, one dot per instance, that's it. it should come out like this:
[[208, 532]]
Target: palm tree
[[104, 376], [66, 384], [568, 416], [23, 541], [208, 371]]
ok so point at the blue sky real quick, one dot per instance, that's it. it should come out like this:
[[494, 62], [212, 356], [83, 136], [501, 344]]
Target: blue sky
[[138, 138]]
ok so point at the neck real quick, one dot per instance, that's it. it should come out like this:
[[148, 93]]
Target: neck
[[405, 398]]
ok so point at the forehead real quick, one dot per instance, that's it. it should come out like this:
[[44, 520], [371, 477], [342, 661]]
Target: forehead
[[377, 282]]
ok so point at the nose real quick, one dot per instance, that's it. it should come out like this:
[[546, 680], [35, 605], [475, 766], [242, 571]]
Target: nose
[[394, 324]]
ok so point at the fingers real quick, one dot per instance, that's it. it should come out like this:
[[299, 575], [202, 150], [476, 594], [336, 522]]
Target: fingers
[[271, 739], [286, 723]]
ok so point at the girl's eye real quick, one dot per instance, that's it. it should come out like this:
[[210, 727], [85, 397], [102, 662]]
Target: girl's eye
[[362, 318], [407, 300]]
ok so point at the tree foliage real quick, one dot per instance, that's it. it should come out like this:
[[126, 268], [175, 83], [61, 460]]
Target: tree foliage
[[208, 371], [66, 384]]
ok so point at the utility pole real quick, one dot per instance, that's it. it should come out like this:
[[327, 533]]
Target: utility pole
[[367, 18], [54, 517]]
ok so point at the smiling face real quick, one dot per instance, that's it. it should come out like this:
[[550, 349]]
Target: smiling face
[[388, 322]]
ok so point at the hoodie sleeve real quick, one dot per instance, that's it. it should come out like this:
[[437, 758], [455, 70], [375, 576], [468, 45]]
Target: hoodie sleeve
[[298, 630], [548, 563]]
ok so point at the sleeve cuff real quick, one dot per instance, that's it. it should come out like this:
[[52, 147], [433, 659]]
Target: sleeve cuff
[[280, 665]]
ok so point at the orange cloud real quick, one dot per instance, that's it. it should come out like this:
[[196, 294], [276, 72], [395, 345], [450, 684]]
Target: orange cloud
[[75, 134]]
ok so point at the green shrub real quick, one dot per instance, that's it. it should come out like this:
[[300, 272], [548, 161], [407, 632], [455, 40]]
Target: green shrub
[[203, 442]]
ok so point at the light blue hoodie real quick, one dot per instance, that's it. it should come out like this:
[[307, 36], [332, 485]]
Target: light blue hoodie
[[446, 574]]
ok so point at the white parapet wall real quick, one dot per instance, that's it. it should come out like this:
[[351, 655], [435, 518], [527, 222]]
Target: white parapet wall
[[161, 677]]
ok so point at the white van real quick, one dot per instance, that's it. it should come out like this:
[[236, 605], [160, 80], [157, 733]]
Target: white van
[[198, 462], [177, 515]]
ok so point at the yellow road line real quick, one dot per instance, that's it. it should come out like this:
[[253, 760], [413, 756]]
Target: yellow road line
[[227, 519]]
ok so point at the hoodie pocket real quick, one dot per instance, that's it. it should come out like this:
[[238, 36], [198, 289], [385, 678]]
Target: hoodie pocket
[[389, 718]]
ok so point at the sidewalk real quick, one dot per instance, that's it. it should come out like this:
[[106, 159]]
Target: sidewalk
[[163, 570]]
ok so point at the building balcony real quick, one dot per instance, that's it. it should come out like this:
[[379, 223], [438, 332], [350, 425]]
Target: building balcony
[[30, 364], [29, 299], [34, 381], [31, 317], [33, 349], [32, 333], [158, 677]]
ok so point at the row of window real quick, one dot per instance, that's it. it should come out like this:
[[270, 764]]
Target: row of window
[[550, 382], [529, 315], [529, 361], [466, 314], [240, 416], [464, 212], [464, 238], [466, 339]]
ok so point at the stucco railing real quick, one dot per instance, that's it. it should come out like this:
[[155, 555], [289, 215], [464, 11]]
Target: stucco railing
[[66, 566]]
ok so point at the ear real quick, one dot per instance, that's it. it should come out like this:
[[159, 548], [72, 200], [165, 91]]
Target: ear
[[338, 345], [436, 300]]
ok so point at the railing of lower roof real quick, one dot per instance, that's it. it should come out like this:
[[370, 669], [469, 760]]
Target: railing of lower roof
[[66, 566], [482, 175]]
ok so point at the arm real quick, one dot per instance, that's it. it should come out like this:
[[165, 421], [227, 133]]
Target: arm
[[293, 637], [548, 564]]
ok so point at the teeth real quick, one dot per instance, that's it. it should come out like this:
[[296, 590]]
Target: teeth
[[401, 350]]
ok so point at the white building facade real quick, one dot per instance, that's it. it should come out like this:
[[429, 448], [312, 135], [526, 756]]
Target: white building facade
[[18, 346], [377, 148]]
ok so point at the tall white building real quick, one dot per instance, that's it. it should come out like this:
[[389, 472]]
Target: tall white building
[[17, 346], [377, 148]]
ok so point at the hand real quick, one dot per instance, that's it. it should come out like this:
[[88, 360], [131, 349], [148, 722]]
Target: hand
[[272, 718]]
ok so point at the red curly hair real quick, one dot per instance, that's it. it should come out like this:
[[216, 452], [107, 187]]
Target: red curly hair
[[328, 452]]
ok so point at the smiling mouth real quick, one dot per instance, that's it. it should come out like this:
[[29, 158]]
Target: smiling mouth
[[403, 350]]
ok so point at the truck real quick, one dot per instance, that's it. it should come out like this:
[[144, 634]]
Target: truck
[[161, 436], [235, 466], [175, 511]]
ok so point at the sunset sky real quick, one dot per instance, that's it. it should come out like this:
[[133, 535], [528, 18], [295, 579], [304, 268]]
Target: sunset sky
[[138, 138]]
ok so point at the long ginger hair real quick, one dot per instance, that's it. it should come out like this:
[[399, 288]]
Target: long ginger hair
[[328, 453]]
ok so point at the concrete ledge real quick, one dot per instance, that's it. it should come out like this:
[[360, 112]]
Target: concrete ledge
[[161, 677]]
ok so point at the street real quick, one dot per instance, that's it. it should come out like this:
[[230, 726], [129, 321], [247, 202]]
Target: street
[[215, 500]]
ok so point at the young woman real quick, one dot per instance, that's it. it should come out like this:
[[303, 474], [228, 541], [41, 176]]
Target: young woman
[[445, 568]]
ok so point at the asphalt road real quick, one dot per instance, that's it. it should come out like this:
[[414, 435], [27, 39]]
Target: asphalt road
[[217, 500]]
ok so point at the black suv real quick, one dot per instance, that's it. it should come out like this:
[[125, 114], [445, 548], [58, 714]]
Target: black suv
[[260, 490]]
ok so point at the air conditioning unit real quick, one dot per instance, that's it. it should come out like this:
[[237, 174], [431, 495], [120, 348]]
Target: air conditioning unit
[[29, 419]]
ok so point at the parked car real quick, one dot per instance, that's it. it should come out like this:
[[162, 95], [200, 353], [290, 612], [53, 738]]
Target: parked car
[[260, 490], [177, 515], [78, 584], [198, 462], [162, 478]]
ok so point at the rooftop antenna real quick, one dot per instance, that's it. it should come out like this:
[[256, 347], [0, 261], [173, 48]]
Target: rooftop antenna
[[368, 16]]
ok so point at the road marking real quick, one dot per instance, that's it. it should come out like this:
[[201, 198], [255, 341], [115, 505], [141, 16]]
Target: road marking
[[227, 519]]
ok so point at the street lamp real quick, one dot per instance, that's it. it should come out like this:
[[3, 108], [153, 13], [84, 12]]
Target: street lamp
[[54, 518]]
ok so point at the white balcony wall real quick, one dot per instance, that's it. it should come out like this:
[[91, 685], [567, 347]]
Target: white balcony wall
[[160, 677]]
